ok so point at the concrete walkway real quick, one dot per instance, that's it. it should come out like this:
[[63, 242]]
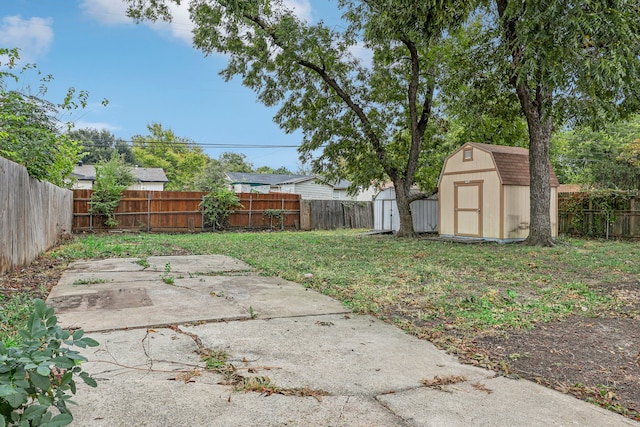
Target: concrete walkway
[[332, 368]]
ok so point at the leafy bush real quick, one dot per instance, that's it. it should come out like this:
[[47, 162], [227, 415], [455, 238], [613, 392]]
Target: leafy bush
[[217, 206], [112, 178], [38, 373]]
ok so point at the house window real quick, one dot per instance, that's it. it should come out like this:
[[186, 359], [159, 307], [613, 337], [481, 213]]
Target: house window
[[467, 154]]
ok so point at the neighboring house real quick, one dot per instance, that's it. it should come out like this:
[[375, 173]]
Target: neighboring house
[[308, 187], [147, 179]]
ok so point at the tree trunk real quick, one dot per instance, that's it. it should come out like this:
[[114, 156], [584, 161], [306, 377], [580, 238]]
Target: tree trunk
[[540, 175], [404, 209]]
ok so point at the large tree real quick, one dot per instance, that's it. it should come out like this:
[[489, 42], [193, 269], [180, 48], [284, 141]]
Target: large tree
[[368, 121], [99, 145], [570, 62], [30, 130], [182, 159]]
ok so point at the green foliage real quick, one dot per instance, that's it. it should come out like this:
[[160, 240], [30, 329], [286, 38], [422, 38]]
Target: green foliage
[[39, 372], [181, 159], [269, 170], [234, 162], [99, 145], [604, 158], [14, 312], [275, 214], [211, 178], [29, 124], [592, 211], [478, 101], [112, 178], [217, 206]]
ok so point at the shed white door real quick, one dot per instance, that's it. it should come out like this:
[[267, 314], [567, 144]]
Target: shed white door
[[468, 208]]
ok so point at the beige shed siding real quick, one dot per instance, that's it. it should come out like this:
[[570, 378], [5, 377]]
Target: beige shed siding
[[481, 160], [516, 212], [490, 200]]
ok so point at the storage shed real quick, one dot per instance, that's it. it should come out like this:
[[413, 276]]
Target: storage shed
[[386, 217], [484, 193]]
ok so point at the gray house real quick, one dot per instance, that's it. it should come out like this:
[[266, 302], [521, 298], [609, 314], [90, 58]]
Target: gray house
[[148, 179]]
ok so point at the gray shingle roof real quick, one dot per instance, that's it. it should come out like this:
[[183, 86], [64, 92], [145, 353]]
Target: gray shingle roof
[[88, 173]]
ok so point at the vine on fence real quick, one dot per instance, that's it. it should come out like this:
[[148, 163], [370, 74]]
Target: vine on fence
[[277, 214], [604, 201]]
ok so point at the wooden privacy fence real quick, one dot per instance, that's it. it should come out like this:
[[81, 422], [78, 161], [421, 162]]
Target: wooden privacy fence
[[596, 223], [178, 211], [33, 215], [333, 214]]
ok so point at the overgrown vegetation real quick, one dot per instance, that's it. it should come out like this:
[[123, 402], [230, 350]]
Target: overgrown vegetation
[[112, 178], [217, 206], [38, 372], [593, 211]]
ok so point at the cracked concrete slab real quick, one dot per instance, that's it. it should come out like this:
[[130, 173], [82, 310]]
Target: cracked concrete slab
[[149, 370]]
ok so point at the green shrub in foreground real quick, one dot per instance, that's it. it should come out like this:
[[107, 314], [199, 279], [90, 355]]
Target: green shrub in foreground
[[38, 373]]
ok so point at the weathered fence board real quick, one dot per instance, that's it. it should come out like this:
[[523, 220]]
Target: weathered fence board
[[33, 215], [333, 214]]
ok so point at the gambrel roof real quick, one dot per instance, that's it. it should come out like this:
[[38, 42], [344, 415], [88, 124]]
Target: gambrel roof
[[512, 163]]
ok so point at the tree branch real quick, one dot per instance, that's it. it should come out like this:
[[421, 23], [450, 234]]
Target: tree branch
[[331, 82]]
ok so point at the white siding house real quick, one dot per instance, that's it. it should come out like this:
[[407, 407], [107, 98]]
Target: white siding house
[[308, 187]]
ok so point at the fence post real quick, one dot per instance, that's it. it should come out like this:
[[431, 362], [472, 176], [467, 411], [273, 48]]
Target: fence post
[[283, 215], [202, 210], [148, 211], [250, 205]]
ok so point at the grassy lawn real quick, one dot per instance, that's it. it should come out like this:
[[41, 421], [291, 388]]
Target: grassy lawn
[[449, 293], [472, 288], [425, 284]]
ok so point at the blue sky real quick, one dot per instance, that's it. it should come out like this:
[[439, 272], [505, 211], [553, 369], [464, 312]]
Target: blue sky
[[148, 72]]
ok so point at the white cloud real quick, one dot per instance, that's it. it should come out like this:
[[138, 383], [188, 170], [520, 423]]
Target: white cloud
[[363, 53], [180, 26], [110, 12], [300, 8], [113, 12], [33, 36]]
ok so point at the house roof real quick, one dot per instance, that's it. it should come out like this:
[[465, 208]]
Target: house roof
[[260, 178], [88, 173], [512, 163], [255, 179]]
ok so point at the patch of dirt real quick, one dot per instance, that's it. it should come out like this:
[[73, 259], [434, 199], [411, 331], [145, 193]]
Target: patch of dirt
[[595, 359], [36, 279]]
